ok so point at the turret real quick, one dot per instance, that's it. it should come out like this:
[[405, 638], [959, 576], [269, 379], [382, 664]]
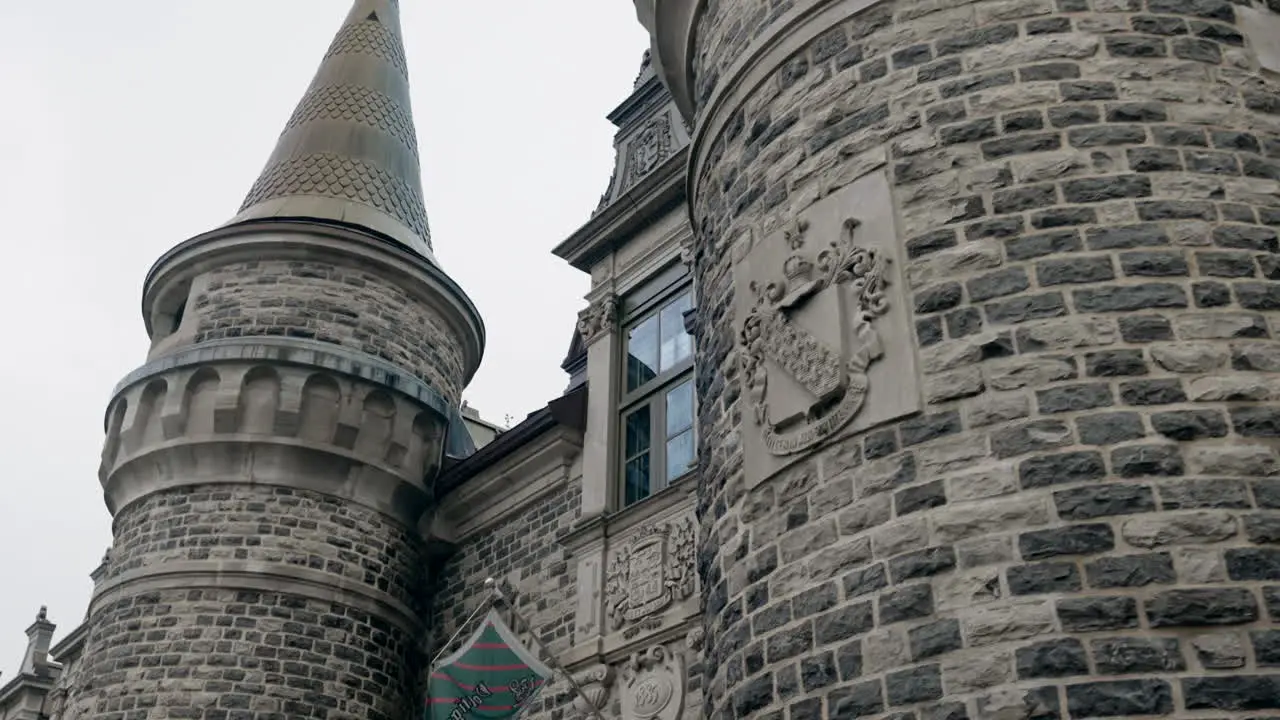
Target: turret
[[268, 465], [1008, 448]]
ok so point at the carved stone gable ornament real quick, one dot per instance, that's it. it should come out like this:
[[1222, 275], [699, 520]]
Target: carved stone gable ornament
[[649, 148], [652, 571], [823, 331], [653, 685]]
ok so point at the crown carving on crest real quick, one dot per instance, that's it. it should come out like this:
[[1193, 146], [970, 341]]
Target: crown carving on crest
[[796, 269], [797, 282]]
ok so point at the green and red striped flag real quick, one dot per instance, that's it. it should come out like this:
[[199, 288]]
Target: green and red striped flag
[[492, 677]]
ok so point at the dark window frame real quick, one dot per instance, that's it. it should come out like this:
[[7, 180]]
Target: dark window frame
[[644, 303]]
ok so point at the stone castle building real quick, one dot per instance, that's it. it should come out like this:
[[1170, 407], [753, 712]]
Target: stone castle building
[[929, 371]]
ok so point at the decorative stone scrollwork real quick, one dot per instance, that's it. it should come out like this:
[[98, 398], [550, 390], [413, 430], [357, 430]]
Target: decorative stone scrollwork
[[653, 144], [696, 638], [691, 324], [598, 319], [1261, 29], [653, 685], [649, 573], [596, 684], [831, 366]]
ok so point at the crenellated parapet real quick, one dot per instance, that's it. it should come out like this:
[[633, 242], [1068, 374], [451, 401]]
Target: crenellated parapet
[[234, 413], [278, 482]]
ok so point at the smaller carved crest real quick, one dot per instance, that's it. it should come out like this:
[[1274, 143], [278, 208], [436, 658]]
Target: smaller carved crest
[[648, 148], [653, 685], [653, 570]]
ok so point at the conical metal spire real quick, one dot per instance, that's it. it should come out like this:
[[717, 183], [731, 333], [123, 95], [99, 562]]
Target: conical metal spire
[[349, 153]]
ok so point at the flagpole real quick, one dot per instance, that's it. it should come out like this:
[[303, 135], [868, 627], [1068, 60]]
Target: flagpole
[[498, 596], [481, 607]]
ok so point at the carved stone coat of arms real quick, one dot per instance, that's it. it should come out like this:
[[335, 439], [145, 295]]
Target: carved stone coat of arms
[[823, 334], [651, 145], [832, 371], [650, 572]]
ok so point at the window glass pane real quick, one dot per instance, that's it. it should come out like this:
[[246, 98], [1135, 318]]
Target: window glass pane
[[680, 408], [637, 479], [642, 353], [679, 454], [637, 432], [676, 343]]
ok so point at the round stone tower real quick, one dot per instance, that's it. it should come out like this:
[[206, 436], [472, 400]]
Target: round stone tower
[[269, 464], [988, 371]]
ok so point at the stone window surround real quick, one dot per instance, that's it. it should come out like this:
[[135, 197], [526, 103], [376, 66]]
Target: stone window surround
[[640, 305], [618, 277], [622, 279]]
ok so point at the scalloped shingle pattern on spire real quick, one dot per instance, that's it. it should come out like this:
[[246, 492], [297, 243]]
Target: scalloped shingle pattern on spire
[[349, 152], [356, 104], [370, 37], [334, 175]]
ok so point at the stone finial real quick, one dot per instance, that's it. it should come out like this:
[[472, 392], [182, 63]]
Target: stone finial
[[36, 658], [646, 69], [349, 153], [99, 573]]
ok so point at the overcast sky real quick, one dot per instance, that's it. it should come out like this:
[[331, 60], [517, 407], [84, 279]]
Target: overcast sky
[[130, 126]]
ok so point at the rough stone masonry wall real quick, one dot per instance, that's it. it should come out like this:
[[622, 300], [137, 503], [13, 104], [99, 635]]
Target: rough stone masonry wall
[[227, 653], [525, 551], [1084, 520], [322, 301]]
